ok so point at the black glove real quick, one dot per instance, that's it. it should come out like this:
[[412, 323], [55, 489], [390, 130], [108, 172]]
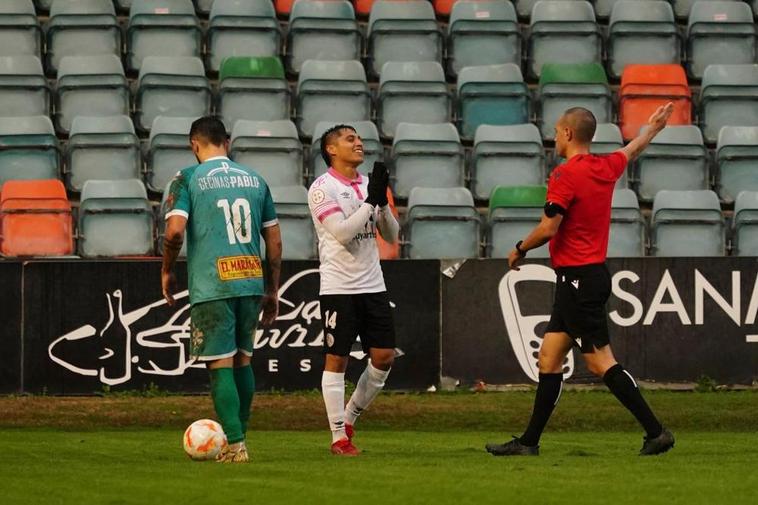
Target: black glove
[[377, 185]]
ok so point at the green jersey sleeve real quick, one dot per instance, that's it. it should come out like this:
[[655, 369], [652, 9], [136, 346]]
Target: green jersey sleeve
[[178, 200]]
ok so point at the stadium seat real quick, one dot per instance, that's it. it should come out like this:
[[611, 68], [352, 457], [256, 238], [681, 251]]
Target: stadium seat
[[728, 97], [166, 28], [443, 7], [513, 213], [562, 32], [411, 91], [563, 86], [331, 91], [161, 227], [687, 223], [372, 147], [442, 223], [123, 5], [402, 31], [745, 224], [101, 148], [676, 159], [426, 155], [737, 159], [252, 88], [608, 139], [644, 88], [524, 8], [168, 150], [115, 219], [482, 32], [627, 231], [682, 9], [242, 28], [20, 32], [271, 148], [43, 5], [82, 28], [35, 219], [295, 222], [90, 86], [646, 36], [492, 95], [719, 33], [203, 7], [283, 7], [171, 87], [29, 148], [322, 30], [506, 156], [23, 88]]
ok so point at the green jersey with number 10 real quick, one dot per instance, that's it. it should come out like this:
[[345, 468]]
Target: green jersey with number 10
[[226, 206]]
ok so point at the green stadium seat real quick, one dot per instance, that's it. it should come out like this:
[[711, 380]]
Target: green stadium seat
[[372, 147], [491, 95], [242, 28], [506, 156], [442, 223], [168, 150], [688, 224], [745, 224], [627, 231], [513, 213], [271, 148], [563, 86], [482, 32], [295, 222], [322, 30], [29, 149], [728, 97], [737, 159], [254, 89], [412, 91], [20, 31], [23, 87]]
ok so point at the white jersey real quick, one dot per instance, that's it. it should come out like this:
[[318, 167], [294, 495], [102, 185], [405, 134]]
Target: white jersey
[[354, 267]]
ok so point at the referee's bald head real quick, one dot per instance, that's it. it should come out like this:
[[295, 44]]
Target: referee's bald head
[[581, 122]]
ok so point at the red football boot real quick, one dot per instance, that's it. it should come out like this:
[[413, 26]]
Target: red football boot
[[349, 431], [344, 447]]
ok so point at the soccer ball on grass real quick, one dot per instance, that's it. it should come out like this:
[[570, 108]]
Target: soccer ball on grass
[[204, 439]]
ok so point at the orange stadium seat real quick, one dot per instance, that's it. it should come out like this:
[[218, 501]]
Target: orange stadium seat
[[389, 251], [443, 7], [35, 219], [363, 7], [283, 7], [646, 87]]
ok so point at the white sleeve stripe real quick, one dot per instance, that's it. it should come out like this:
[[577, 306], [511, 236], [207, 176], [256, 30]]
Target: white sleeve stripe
[[269, 224], [177, 212]]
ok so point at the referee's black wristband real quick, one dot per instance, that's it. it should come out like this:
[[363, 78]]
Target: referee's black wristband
[[518, 248]]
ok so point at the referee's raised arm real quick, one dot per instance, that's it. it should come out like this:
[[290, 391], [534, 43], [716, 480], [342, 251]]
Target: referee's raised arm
[[655, 124]]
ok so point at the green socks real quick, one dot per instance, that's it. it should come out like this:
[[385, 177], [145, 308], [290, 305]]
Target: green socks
[[227, 403], [245, 380]]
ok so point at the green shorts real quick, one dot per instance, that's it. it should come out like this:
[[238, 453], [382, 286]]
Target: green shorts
[[221, 328]]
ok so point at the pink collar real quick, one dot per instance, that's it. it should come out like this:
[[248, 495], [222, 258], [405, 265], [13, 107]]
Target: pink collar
[[344, 180]]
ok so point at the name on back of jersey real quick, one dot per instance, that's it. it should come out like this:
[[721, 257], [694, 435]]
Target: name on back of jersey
[[227, 177]]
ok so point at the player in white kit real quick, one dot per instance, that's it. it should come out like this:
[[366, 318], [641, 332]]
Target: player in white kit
[[348, 209]]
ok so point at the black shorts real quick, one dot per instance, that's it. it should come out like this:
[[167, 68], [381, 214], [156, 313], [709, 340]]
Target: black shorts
[[579, 309], [345, 317]]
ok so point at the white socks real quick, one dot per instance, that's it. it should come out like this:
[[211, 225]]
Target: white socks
[[371, 382], [333, 389]]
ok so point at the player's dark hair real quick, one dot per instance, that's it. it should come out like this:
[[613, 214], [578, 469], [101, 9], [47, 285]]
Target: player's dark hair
[[210, 129], [583, 122], [328, 137]]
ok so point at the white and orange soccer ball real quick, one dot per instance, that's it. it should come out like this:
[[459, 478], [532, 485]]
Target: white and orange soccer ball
[[204, 439]]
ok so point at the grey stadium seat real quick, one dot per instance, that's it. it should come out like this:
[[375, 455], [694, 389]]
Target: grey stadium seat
[[426, 155], [90, 86], [20, 32], [115, 219], [102, 148], [23, 88], [372, 147], [745, 224], [81, 28], [161, 28], [30, 148], [322, 30], [608, 139], [737, 159], [506, 156], [728, 97], [295, 222], [254, 89], [627, 231], [412, 91], [687, 223], [442, 223], [168, 150], [331, 91], [242, 28], [719, 33], [482, 33], [271, 148], [171, 87], [402, 31]]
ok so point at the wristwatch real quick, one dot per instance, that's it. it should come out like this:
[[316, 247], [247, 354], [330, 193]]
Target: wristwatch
[[518, 248]]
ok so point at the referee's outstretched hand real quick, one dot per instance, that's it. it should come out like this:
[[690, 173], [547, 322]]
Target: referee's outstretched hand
[[661, 115], [514, 258], [377, 185]]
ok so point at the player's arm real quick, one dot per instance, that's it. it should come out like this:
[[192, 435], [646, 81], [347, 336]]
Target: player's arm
[[344, 229], [540, 235], [172, 244], [272, 236], [388, 226], [656, 123]]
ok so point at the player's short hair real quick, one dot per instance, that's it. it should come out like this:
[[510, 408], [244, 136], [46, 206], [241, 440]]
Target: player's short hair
[[209, 129], [328, 137], [582, 122]]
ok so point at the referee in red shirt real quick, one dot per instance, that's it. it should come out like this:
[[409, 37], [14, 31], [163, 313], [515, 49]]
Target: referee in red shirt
[[576, 222]]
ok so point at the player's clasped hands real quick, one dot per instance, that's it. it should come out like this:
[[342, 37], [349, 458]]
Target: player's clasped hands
[[377, 185]]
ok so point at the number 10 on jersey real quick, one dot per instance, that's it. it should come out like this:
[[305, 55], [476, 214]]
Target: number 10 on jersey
[[238, 220]]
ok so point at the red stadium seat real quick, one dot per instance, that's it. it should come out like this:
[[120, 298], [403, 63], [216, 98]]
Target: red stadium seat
[[645, 88], [363, 7], [443, 7], [389, 251], [35, 219], [283, 7]]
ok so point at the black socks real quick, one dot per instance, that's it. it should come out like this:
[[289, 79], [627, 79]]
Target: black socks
[[622, 385], [548, 392]]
